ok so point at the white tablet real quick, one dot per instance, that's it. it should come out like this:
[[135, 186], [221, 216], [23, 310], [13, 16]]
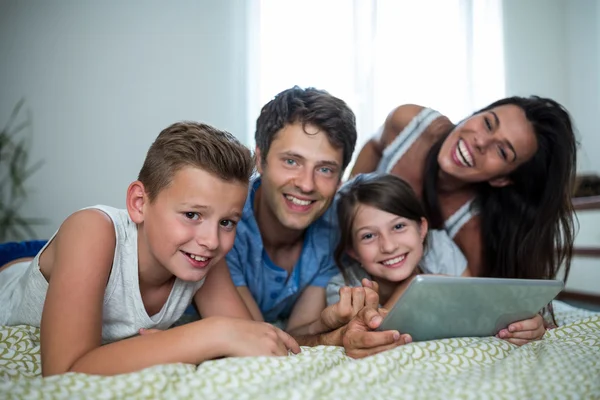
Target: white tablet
[[437, 307]]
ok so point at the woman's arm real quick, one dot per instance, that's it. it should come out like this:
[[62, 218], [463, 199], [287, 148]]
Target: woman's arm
[[371, 153]]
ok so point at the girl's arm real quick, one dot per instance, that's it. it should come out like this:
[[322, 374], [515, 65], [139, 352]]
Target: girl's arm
[[218, 295], [71, 328]]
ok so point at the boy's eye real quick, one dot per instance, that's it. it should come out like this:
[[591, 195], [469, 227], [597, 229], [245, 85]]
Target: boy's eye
[[227, 223], [192, 215], [289, 161], [326, 170]]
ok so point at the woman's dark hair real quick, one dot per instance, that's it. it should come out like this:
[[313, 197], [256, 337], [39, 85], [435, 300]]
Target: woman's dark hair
[[527, 227], [385, 192]]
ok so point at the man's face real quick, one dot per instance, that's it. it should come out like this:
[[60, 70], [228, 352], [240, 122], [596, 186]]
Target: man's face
[[301, 175]]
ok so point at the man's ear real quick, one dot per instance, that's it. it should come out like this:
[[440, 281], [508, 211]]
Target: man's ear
[[258, 160], [136, 200], [500, 182], [424, 228]]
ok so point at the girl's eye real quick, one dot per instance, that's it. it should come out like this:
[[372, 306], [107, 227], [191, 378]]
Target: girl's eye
[[192, 215], [399, 226], [367, 236], [228, 224]]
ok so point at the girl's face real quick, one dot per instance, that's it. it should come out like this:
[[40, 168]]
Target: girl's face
[[388, 246]]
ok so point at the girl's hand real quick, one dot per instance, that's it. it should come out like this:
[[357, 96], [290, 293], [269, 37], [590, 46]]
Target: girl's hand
[[523, 332], [352, 300]]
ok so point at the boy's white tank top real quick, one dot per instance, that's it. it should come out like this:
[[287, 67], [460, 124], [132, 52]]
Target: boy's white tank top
[[23, 289]]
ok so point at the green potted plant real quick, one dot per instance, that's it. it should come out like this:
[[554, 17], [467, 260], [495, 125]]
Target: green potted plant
[[15, 169]]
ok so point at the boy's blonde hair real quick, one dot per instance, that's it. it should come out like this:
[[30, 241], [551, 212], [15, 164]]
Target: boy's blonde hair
[[196, 145]]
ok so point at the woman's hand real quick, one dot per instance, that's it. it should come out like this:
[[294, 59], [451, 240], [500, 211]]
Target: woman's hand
[[525, 331]]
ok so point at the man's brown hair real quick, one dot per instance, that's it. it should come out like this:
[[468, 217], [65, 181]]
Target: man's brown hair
[[196, 145]]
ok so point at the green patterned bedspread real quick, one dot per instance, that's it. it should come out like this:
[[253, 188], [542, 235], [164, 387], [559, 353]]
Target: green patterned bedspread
[[566, 364]]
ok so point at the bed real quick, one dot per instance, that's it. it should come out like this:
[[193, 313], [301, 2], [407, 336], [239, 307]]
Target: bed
[[566, 364]]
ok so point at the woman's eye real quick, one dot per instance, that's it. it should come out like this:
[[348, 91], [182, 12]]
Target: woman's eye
[[192, 215], [399, 226], [488, 124], [502, 153]]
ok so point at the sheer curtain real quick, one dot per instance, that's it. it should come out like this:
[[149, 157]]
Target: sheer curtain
[[378, 54]]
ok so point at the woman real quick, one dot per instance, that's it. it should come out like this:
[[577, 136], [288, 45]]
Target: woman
[[499, 182]]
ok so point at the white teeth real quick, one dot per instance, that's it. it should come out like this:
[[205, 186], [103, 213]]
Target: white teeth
[[197, 258], [394, 260], [463, 155], [297, 201]]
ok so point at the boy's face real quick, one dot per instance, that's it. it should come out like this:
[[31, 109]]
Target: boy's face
[[191, 224], [301, 175]]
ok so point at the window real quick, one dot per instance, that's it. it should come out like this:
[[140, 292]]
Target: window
[[378, 54]]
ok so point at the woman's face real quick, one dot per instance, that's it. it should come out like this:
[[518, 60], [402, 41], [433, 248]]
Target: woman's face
[[488, 146]]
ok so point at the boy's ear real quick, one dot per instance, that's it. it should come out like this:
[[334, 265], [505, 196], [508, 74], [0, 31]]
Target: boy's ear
[[500, 182], [136, 200], [424, 228], [258, 159]]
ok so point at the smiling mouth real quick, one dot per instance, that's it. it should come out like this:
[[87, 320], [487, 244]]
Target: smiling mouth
[[297, 203], [462, 154], [394, 261], [196, 260]]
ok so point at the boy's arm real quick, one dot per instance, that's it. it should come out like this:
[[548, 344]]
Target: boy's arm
[[71, 327], [219, 297]]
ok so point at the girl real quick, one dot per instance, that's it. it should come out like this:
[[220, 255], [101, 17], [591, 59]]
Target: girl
[[384, 233]]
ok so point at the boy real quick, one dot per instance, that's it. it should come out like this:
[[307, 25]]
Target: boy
[[108, 273]]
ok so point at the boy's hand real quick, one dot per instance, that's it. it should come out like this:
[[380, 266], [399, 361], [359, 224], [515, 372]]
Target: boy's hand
[[250, 338], [360, 340], [244, 338], [352, 300], [523, 332]]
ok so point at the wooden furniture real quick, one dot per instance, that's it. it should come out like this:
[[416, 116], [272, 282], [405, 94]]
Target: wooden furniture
[[583, 283]]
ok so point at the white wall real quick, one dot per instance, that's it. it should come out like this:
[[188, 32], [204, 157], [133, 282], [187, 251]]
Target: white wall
[[102, 78], [552, 48]]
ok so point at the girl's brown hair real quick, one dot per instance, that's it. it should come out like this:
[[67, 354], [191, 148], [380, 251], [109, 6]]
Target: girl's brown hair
[[385, 192]]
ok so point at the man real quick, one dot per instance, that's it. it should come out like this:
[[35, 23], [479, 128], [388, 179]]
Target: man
[[282, 258]]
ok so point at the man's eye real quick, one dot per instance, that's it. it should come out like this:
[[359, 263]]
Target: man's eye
[[289, 161]]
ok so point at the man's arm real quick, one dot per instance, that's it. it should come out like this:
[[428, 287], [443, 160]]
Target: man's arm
[[218, 295], [234, 265], [306, 314]]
